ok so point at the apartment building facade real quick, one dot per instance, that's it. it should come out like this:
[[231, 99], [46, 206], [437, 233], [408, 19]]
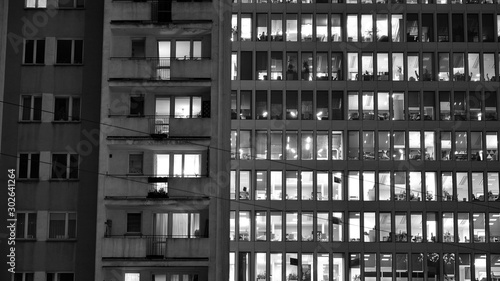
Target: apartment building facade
[[50, 136], [364, 140], [163, 186]]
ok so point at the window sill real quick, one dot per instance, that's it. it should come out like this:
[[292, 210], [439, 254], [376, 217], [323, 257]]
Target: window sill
[[66, 122], [19, 239], [61, 239], [68, 64], [71, 8], [135, 175], [56, 180], [33, 64], [30, 121], [28, 179], [133, 234], [136, 116]]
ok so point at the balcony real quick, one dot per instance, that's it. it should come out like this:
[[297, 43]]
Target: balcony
[[160, 11], [131, 11], [155, 247], [189, 187], [192, 11], [152, 187], [159, 69], [173, 126]]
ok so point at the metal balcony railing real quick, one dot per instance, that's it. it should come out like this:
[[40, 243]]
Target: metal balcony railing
[[156, 246], [157, 68]]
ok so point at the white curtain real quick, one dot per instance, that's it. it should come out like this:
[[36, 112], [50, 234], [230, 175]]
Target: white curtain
[[178, 165], [180, 225], [174, 277], [161, 224], [192, 165], [162, 165], [195, 225]]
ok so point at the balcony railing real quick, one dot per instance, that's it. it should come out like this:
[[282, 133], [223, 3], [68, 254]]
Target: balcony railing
[[159, 68], [195, 125], [155, 246]]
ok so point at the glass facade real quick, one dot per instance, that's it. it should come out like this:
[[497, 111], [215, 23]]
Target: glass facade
[[382, 127]]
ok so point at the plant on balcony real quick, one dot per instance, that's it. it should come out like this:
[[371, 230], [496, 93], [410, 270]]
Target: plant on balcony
[[261, 276], [157, 193], [429, 196], [292, 276]]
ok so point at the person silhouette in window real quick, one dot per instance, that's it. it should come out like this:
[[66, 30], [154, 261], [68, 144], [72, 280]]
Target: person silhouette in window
[[244, 194]]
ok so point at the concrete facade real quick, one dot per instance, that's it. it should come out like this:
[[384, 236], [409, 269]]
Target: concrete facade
[[163, 185]]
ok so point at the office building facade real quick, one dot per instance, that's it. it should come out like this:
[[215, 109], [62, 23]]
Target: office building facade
[[51, 68], [163, 184], [364, 140]]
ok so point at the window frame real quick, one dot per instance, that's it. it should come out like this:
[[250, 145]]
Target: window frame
[[72, 59], [130, 171], [26, 225], [23, 276], [30, 167], [56, 276], [35, 50], [75, 4], [69, 115], [66, 226], [36, 6], [68, 168], [32, 108], [130, 231]]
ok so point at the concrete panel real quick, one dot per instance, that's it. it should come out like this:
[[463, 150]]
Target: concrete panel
[[132, 11], [196, 127], [126, 186], [192, 10], [198, 247], [127, 68], [189, 187], [124, 247], [135, 126], [191, 69]]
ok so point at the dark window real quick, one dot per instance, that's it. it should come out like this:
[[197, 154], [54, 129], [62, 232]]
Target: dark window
[[29, 166], [69, 51], [67, 109], [337, 107], [26, 225], [64, 166], [18, 276], [137, 106], [246, 63], [31, 108], [458, 27], [135, 163], [138, 48], [442, 28], [134, 222], [71, 3], [34, 51]]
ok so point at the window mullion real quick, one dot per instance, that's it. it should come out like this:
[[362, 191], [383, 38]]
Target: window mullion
[[70, 108], [68, 164], [72, 52], [29, 166], [66, 222], [32, 106]]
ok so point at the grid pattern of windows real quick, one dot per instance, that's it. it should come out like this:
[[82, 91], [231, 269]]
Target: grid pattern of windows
[[395, 185], [479, 66], [374, 128]]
